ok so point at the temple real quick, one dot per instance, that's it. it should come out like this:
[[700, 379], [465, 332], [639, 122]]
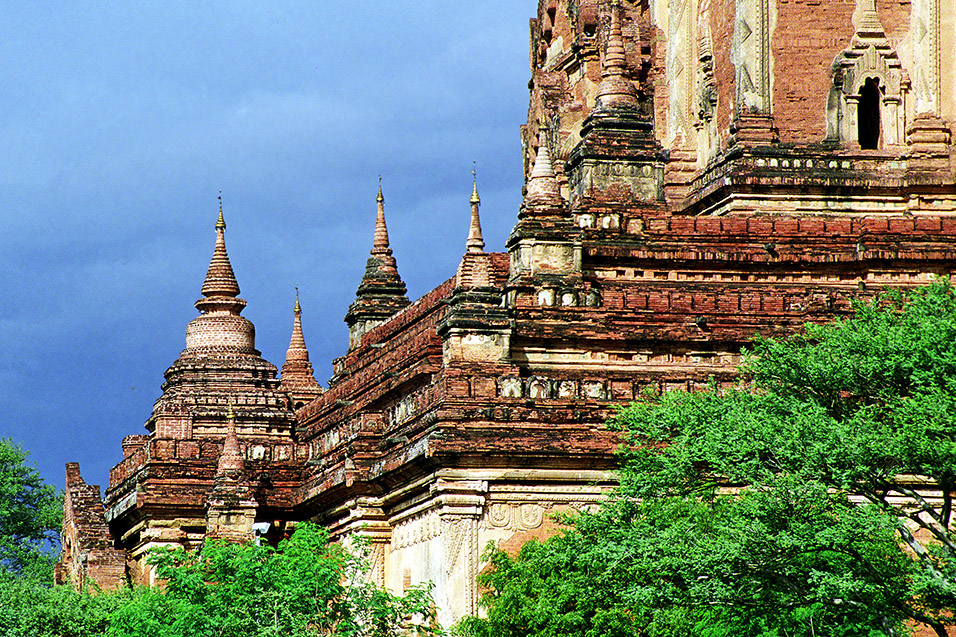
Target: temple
[[696, 172]]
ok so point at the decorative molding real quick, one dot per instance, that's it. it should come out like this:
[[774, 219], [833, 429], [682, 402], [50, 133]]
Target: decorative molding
[[460, 534], [751, 54], [376, 559], [925, 30], [682, 59], [708, 137], [506, 516]]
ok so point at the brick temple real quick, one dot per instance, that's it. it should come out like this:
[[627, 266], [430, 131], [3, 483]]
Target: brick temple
[[696, 171]]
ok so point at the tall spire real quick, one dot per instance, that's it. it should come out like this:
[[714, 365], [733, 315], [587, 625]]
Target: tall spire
[[220, 300], [615, 91], [220, 281], [475, 241], [382, 291], [298, 378]]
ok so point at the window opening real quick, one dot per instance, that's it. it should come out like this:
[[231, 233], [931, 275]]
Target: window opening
[[869, 114]]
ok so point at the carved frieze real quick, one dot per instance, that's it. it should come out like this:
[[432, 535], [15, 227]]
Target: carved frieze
[[541, 387], [643, 181], [416, 530]]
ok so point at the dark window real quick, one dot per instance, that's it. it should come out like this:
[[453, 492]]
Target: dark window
[[869, 114]]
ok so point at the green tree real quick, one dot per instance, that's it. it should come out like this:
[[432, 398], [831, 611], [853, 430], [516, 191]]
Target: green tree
[[36, 608], [30, 515], [816, 499], [30, 518], [307, 586]]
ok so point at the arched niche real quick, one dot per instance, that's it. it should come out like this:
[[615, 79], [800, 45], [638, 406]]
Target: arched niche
[[866, 105]]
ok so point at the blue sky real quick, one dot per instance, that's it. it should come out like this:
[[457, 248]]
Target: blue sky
[[119, 124]]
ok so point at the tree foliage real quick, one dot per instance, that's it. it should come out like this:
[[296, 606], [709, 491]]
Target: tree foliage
[[307, 586], [30, 517], [30, 514], [34, 607], [815, 499]]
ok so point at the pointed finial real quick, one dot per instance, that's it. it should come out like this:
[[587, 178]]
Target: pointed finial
[[380, 238], [230, 413], [474, 187], [298, 308], [220, 223], [475, 242]]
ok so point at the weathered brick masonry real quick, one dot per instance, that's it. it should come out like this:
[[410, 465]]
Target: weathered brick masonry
[[697, 171]]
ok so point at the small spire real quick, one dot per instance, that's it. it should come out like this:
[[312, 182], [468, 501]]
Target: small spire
[[380, 198], [870, 19], [542, 184], [230, 460], [382, 291], [615, 91], [475, 242], [298, 378]]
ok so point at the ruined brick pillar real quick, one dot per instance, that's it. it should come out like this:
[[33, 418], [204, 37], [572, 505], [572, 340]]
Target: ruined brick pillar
[[89, 556]]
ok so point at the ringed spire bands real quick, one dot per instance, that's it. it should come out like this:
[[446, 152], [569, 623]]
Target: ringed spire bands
[[219, 324], [220, 279]]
